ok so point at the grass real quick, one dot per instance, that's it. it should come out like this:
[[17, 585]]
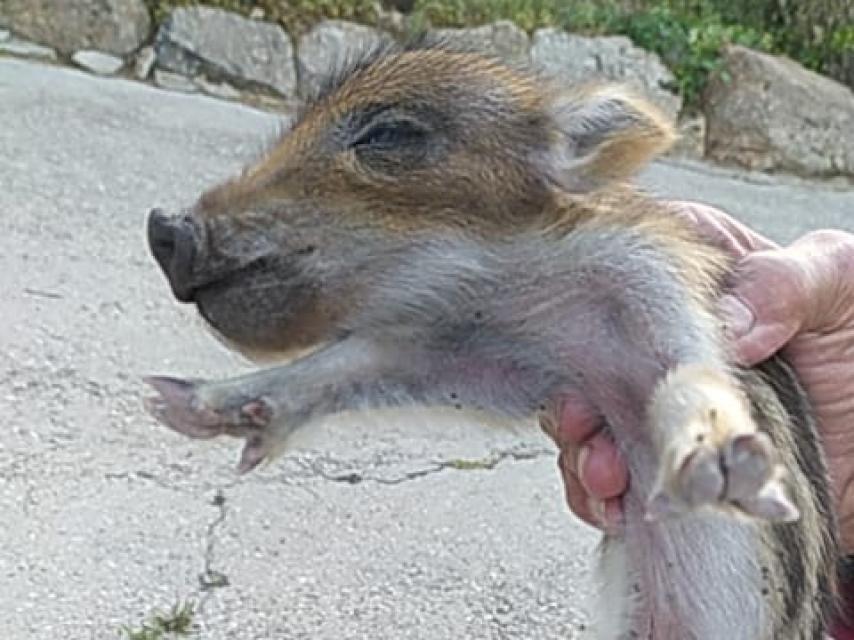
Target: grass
[[176, 623]]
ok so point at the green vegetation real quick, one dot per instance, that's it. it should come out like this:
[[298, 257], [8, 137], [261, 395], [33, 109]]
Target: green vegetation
[[690, 45], [176, 623], [687, 34]]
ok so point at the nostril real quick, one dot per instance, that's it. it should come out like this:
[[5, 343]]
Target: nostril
[[161, 238], [172, 244]]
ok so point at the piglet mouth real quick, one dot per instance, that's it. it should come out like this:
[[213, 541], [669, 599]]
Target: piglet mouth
[[219, 283], [178, 245], [251, 286], [210, 283]]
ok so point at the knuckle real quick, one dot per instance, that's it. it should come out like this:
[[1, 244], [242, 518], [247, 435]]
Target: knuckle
[[548, 425], [838, 245], [774, 284]]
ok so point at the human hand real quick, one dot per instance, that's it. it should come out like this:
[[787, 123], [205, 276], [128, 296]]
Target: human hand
[[798, 299]]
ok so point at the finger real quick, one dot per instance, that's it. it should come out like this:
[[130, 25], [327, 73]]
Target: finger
[[569, 457], [610, 514], [578, 500], [606, 515], [764, 341], [722, 230], [753, 340], [826, 260], [578, 420], [601, 469], [767, 305], [806, 287]]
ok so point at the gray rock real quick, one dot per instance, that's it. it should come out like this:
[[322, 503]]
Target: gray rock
[[691, 141], [330, 44], [5, 35], [26, 49], [502, 39], [227, 47], [217, 89], [391, 20], [770, 113], [144, 62], [575, 59], [113, 26], [98, 62], [174, 81]]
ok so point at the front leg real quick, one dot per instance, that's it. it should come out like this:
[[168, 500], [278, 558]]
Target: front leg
[[265, 407]]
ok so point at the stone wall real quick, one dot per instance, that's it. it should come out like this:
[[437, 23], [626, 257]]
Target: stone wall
[[759, 111]]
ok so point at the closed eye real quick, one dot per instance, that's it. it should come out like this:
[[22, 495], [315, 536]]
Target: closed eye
[[390, 135]]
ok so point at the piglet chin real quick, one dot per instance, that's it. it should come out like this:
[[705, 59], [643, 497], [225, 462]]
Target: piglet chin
[[260, 356]]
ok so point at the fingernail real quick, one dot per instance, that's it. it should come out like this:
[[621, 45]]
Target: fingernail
[[608, 514], [547, 425], [737, 316], [613, 514], [597, 510], [583, 454]]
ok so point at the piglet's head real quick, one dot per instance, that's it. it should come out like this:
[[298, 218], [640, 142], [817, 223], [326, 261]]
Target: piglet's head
[[404, 145]]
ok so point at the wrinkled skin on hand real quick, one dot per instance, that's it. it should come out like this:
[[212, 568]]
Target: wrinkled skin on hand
[[798, 300]]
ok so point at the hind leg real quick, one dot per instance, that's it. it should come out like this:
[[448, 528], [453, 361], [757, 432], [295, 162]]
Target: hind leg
[[711, 453]]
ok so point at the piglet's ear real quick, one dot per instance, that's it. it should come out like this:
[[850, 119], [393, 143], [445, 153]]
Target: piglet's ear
[[603, 135]]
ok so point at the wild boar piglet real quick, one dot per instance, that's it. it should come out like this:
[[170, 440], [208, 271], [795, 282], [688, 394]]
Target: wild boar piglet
[[438, 228]]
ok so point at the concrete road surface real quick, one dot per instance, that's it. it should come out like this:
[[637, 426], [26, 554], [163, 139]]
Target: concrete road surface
[[428, 529]]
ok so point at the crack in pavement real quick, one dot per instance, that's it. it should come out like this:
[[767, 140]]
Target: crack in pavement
[[487, 463], [315, 467], [147, 476], [210, 578]]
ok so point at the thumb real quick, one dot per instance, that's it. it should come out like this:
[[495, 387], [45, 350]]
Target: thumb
[[767, 306]]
